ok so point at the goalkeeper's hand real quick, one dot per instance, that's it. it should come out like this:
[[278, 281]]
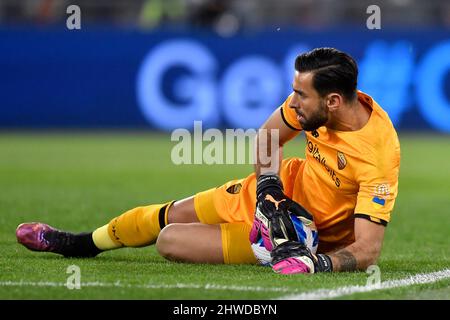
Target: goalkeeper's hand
[[292, 257], [272, 217]]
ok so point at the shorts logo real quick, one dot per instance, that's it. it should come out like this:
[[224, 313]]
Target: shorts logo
[[341, 160], [234, 189]]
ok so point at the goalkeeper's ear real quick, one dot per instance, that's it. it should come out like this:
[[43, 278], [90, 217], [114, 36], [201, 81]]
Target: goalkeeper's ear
[[300, 212]]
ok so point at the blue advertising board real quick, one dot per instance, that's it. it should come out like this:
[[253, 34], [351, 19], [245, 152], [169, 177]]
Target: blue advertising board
[[93, 78]]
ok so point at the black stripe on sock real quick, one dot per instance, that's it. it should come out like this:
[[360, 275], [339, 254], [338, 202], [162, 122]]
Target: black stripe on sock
[[162, 216]]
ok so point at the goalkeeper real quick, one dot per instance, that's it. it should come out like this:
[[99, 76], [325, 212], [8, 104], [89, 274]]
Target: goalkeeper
[[348, 182]]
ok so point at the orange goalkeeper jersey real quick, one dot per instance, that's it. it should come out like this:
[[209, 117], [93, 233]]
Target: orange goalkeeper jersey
[[348, 173]]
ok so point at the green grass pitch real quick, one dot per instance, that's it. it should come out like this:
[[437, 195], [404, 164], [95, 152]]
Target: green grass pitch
[[80, 181]]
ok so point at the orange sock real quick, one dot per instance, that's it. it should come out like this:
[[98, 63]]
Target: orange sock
[[135, 228]]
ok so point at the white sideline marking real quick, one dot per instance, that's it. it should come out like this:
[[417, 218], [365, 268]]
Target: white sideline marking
[[312, 295], [118, 284], [343, 291]]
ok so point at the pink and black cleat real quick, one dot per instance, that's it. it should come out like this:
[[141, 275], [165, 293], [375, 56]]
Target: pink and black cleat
[[33, 236], [38, 236]]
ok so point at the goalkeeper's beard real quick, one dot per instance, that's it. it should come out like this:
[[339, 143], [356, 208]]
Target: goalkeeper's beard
[[317, 119]]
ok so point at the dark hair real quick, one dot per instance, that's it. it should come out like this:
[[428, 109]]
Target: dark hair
[[333, 71]]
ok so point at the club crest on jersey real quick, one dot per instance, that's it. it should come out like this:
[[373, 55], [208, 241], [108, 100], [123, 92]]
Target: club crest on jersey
[[341, 160]]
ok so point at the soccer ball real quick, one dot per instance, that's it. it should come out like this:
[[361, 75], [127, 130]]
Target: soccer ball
[[307, 235]]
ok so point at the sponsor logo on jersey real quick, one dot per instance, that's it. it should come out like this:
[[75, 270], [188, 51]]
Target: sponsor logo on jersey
[[315, 153]]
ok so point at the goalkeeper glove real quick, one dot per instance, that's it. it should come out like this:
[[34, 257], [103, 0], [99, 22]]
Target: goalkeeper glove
[[293, 257], [272, 217]]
